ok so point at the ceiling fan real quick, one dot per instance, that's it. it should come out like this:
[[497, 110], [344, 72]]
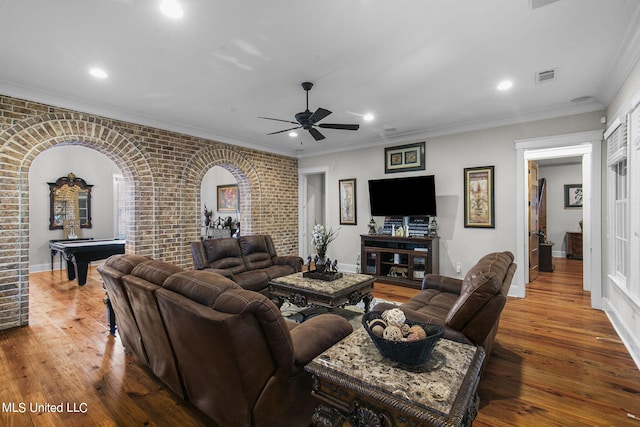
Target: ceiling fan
[[309, 121]]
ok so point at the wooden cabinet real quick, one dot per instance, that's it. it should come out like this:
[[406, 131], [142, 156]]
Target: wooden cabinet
[[574, 245], [546, 263], [399, 260]]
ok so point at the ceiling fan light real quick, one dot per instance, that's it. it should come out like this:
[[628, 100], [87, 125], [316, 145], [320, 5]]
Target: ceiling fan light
[[368, 117], [293, 134]]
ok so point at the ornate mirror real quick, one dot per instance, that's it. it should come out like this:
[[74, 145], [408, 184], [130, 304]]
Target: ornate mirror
[[69, 202]]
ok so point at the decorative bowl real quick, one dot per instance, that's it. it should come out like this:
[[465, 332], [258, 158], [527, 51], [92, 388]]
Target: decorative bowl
[[406, 352]]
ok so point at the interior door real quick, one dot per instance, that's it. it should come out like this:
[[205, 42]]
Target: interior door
[[533, 222]]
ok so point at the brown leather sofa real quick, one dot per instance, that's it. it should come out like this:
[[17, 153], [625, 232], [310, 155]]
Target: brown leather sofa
[[250, 261], [225, 349], [469, 309]]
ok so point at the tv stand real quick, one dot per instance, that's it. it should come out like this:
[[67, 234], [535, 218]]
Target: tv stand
[[400, 261]]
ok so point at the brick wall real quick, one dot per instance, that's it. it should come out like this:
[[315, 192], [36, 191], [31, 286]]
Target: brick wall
[[163, 171]]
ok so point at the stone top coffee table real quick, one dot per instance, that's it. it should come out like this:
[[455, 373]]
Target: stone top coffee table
[[351, 288], [356, 384]]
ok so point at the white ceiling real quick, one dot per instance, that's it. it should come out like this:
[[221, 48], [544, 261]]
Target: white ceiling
[[422, 67]]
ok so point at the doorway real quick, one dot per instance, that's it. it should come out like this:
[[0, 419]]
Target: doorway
[[313, 207], [587, 146]]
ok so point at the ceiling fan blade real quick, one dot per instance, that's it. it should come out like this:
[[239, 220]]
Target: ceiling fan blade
[[315, 133], [286, 130], [338, 126], [320, 114], [278, 120]]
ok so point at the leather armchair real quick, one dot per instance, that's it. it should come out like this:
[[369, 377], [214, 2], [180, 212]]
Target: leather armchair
[[469, 309]]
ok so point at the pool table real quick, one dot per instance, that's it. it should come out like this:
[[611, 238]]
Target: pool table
[[79, 254]]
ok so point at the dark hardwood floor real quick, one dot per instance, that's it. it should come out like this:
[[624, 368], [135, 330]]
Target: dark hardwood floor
[[556, 362]]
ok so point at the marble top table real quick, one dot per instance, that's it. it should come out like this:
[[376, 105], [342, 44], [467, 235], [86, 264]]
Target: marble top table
[[357, 384], [351, 288]]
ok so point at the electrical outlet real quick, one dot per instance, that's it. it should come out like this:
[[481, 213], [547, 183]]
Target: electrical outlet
[[458, 268]]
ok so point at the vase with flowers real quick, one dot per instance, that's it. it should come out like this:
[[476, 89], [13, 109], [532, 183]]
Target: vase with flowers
[[320, 239]]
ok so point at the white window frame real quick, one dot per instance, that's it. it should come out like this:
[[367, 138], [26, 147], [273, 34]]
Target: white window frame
[[618, 202]]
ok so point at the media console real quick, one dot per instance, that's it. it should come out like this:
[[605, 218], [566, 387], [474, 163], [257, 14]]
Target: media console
[[399, 260]]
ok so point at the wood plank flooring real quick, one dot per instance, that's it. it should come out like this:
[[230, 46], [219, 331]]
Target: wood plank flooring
[[556, 362]]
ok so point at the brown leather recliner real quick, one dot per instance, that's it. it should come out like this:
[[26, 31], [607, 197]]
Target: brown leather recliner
[[241, 363], [250, 261], [112, 272], [141, 285], [236, 358], [469, 309]]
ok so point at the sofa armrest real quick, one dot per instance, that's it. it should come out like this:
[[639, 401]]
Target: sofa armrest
[[442, 283], [316, 335], [199, 256], [294, 261]]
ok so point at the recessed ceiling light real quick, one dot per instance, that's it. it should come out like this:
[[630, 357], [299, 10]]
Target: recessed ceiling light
[[293, 134], [368, 117], [504, 85], [171, 8], [98, 73]]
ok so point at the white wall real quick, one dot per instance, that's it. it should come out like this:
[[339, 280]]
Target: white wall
[[559, 219], [90, 165], [446, 158], [209, 190]]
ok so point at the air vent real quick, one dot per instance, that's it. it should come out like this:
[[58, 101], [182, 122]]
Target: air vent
[[546, 76]]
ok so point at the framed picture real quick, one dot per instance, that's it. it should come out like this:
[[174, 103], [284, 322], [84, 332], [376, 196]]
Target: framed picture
[[404, 158], [479, 202], [572, 196], [347, 192], [228, 198]]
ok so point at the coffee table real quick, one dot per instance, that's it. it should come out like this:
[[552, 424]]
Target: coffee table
[[356, 385], [351, 288]]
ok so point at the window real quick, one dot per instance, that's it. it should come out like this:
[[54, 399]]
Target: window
[[119, 203], [618, 202]]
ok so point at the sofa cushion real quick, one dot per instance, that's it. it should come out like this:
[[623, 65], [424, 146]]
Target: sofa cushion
[[155, 271], [433, 304], [224, 254], [255, 280], [202, 286], [255, 252], [481, 283]]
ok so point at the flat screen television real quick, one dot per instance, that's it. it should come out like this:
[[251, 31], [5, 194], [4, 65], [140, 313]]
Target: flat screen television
[[412, 196]]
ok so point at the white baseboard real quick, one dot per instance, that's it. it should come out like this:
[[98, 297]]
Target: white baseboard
[[626, 335]]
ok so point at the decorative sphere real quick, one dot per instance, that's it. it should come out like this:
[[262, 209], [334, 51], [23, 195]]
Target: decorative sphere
[[418, 331], [405, 329], [378, 322], [378, 330], [394, 316], [392, 333]]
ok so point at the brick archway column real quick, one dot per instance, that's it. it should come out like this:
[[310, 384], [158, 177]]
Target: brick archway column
[[19, 146], [248, 184]]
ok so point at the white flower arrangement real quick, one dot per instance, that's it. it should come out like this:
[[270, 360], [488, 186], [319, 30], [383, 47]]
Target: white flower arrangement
[[321, 239]]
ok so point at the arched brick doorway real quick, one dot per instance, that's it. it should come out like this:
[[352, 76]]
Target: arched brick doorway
[[21, 144]]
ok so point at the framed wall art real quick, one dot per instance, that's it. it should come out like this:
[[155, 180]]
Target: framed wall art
[[572, 196], [228, 198], [347, 194], [479, 202], [404, 158]]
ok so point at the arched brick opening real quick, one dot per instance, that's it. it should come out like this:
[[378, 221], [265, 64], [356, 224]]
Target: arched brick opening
[[19, 146], [248, 185]]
